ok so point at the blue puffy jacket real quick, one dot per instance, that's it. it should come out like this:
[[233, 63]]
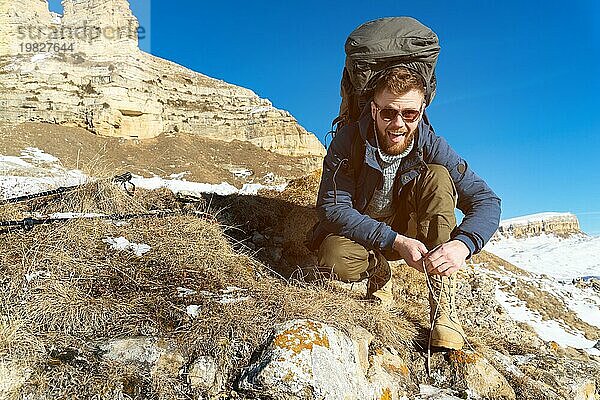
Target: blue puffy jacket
[[346, 189]]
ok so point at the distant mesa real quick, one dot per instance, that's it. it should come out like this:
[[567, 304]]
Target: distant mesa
[[85, 69], [559, 224]]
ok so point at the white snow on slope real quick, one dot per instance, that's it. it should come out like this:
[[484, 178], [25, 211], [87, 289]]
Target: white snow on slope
[[122, 244], [561, 258], [37, 155], [585, 303], [33, 172], [36, 171], [554, 263], [548, 330], [222, 189]]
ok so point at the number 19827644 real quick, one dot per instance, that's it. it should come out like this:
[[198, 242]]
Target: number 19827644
[[46, 47]]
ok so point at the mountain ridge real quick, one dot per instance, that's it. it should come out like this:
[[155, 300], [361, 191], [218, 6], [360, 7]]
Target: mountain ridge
[[112, 88], [555, 223]]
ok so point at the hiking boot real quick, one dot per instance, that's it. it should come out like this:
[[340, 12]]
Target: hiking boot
[[446, 332], [384, 296], [379, 285]]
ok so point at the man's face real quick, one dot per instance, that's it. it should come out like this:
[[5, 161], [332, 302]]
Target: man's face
[[394, 136]]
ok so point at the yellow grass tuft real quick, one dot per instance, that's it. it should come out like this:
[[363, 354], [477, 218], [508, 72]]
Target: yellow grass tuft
[[65, 290]]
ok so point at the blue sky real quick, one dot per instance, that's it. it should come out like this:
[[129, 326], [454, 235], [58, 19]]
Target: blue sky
[[517, 81]]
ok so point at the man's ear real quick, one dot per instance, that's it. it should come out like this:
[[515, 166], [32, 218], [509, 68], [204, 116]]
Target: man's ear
[[373, 111]]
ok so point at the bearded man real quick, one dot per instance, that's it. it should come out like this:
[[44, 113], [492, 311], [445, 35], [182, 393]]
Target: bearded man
[[397, 200]]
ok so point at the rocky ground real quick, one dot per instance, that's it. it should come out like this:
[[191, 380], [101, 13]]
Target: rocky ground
[[209, 301], [197, 295]]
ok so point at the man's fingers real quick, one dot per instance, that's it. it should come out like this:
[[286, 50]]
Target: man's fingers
[[434, 263], [450, 271], [438, 269], [422, 249], [435, 256], [436, 252]]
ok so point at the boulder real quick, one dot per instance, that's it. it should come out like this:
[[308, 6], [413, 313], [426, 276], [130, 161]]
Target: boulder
[[202, 373], [305, 359], [479, 377], [161, 358]]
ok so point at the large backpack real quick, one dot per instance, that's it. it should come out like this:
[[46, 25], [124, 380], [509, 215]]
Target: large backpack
[[376, 46]]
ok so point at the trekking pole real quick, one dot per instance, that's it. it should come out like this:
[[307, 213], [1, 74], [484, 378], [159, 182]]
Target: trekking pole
[[123, 179], [29, 223], [19, 199]]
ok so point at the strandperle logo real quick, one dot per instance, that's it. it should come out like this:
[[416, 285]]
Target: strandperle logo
[[85, 32]]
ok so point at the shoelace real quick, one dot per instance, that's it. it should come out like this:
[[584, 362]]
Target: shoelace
[[437, 306]]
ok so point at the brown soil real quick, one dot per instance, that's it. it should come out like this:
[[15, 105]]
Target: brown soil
[[206, 160]]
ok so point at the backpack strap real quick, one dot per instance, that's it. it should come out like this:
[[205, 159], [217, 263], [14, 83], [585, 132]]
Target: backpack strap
[[357, 152]]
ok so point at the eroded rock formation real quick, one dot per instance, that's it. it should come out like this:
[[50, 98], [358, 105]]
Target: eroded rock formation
[[97, 78], [560, 224]]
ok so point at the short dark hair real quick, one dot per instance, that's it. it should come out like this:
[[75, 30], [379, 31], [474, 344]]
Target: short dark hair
[[399, 81]]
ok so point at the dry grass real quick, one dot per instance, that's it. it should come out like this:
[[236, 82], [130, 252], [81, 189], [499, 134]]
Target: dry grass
[[64, 291]]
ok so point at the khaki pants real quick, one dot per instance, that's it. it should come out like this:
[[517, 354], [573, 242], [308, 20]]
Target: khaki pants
[[425, 212]]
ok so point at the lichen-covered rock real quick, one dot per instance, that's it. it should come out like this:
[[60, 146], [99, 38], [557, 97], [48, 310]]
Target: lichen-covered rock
[[386, 365], [203, 373], [584, 390], [160, 358], [479, 376], [306, 359]]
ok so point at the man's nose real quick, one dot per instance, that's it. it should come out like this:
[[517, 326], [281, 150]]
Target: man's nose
[[397, 121]]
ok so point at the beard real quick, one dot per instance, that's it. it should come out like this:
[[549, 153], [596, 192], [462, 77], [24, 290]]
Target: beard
[[393, 147]]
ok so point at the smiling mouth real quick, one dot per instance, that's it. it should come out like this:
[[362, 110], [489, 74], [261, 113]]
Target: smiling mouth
[[396, 137]]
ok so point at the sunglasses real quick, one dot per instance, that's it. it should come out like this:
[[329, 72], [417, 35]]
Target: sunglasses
[[408, 115]]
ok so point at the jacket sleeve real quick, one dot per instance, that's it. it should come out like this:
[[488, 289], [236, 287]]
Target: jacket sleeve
[[335, 205], [479, 204]]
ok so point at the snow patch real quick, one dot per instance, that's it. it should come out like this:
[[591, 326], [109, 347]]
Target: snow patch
[[71, 215], [192, 310], [584, 302], [434, 393], [242, 173], [122, 243], [229, 295], [547, 330], [33, 172], [222, 189], [180, 175], [37, 275], [35, 154], [40, 57], [14, 186], [562, 258], [11, 162], [185, 292], [252, 189]]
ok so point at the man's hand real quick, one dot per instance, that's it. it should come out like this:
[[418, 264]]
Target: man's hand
[[447, 258], [411, 250]]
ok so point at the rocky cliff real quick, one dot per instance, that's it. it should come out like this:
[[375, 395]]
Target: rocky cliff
[[559, 224], [92, 74]]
